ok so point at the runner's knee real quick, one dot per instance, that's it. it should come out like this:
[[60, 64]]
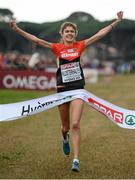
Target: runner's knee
[[76, 126]]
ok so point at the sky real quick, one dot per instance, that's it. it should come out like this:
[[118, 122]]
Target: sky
[[40, 11]]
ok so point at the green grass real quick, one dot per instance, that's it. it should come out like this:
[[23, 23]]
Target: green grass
[[31, 148]]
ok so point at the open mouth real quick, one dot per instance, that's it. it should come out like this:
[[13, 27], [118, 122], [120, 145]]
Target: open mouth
[[69, 37]]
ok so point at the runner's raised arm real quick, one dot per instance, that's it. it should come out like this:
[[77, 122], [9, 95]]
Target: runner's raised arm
[[105, 30], [29, 36]]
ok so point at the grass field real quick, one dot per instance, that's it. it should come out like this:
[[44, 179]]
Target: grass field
[[31, 148]]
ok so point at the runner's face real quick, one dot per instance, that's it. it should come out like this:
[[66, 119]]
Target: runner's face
[[69, 34]]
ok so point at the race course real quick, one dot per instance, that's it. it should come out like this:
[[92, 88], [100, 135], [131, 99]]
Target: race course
[[30, 148]]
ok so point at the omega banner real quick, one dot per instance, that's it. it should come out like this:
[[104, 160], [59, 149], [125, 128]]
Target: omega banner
[[33, 80]]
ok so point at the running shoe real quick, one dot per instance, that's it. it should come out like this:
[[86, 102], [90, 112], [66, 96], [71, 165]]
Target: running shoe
[[66, 147], [75, 166]]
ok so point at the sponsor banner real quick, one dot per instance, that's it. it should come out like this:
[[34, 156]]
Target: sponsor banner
[[33, 80], [19, 110], [122, 117], [110, 112]]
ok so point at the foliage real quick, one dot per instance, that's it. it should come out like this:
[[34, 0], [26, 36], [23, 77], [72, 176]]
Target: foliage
[[122, 37]]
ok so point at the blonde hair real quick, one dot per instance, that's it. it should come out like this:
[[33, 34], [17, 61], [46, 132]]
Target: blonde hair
[[66, 24]]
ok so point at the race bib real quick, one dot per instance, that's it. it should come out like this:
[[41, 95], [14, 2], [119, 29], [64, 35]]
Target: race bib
[[70, 72]]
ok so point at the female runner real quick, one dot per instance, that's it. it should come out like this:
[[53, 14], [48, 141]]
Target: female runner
[[69, 76]]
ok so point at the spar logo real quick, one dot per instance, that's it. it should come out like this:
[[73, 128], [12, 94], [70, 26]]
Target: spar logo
[[109, 112], [130, 120], [68, 66]]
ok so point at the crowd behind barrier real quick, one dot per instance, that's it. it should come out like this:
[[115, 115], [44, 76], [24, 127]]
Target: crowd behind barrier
[[42, 62]]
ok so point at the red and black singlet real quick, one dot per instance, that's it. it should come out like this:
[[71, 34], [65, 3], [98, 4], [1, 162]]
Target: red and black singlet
[[69, 73]]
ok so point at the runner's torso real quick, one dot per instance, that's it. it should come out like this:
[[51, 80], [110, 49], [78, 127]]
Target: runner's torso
[[69, 71]]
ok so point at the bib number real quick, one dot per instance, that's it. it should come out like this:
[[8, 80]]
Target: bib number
[[70, 72]]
